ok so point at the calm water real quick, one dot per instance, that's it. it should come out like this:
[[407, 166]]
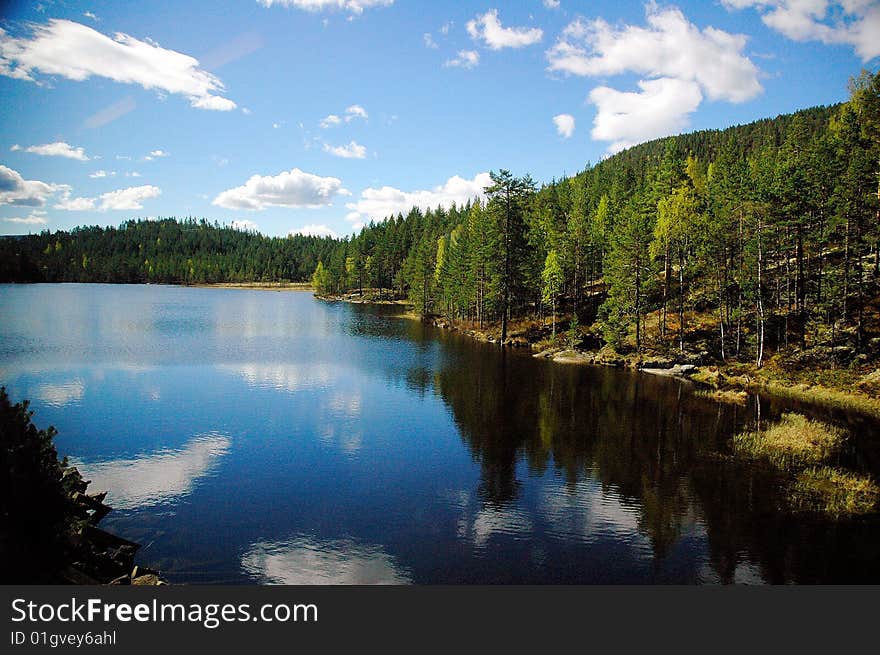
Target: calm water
[[266, 437]]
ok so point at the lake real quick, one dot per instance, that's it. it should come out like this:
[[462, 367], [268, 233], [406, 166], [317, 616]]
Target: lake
[[251, 436]]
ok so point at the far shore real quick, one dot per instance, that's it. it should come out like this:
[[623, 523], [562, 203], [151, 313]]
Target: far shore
[[265, 286]]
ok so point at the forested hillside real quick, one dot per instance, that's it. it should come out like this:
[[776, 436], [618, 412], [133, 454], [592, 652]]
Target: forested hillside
[[736, 241], [732, 241], [163, 251]]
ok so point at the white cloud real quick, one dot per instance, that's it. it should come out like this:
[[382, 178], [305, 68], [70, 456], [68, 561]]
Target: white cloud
[[564, 125], [661, 108], [56, 149], [36, 217], [158, 153], [75, 204], [315, 231], [378, 204], [353, 150], [102, 173], [464, 59], [293, 188], [351, 6], [130, 198], [77, 52], [551, 4], [670, 46], [488, 28], [15, 190], [429, 41], [355, 111], [120, 199], [330, 121], [89, 14], [133, 174], [848, 22], [245, 225]]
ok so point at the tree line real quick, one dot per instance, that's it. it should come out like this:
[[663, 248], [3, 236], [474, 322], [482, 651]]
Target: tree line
[[733, 241], [166, 251]]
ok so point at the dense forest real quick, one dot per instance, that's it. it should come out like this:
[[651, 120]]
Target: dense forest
[[734, 241], [168, 251]]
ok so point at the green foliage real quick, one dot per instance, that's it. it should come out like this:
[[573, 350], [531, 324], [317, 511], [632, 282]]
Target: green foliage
[[35, 507]]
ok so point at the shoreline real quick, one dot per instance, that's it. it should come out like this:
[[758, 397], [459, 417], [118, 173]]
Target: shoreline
[[261, 286], [725, 381]]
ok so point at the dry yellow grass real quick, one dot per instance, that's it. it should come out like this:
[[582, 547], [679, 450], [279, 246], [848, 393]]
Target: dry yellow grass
[[725, 396], [834, 492], [792, 442]]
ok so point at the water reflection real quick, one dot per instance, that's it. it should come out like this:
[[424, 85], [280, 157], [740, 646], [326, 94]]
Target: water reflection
[[587, 512], [282, 377], [441, 459], [479, 523], [307, 560], [61, 394], [155, 478]]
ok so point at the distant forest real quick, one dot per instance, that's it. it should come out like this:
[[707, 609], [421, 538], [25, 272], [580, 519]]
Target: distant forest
[[755, 236], [164, 251]]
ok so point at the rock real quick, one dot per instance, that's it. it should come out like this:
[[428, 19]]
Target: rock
[[573, 357], [687, 369], [870, 384]]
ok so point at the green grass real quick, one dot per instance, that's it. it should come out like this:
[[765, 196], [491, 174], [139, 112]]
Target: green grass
[[795, 441], [834, 492]]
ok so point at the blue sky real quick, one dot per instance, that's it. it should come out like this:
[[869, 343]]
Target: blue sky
[[318, 115]]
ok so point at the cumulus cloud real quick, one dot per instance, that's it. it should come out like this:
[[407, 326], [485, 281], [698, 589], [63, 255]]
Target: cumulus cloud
[[464, 59], [36, 217], [670, 46], [662, 107], [564, 125], [15, 190], [351, 113], [847, 22], [121, 199], [315, 231], [293, 188], [130, 198], [56, 149], [351, 6], [378, 204], [353, 150], [102, 173], [158, 153], [78, 52], [488, 28], [429, 41], [551, 4], [355, 111]]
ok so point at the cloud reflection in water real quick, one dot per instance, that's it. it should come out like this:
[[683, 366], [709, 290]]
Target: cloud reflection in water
[[158, 477], [306, 560]]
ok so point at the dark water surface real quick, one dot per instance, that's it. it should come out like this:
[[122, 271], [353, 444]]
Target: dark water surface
[[266, 437]]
